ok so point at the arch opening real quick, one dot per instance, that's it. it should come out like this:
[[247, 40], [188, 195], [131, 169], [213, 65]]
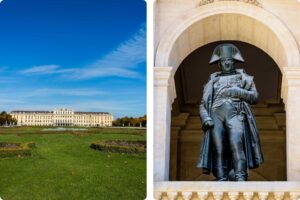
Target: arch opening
[[186, 133]]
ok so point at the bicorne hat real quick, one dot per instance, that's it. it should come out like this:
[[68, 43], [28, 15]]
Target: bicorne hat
[[226, 51]]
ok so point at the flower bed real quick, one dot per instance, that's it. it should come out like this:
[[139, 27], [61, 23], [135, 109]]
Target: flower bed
[[120, 146], [15, 149]]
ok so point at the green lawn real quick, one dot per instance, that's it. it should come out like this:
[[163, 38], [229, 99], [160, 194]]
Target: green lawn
[[63, 166]]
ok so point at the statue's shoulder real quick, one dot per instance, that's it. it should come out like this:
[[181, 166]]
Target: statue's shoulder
[[211, 80], [247, 80], [244, 74], [214, 75]]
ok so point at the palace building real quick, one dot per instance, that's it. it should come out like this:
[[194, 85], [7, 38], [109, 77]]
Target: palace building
[[62, 117]]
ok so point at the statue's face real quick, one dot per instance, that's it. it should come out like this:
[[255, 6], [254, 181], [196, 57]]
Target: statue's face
[[226, 65]]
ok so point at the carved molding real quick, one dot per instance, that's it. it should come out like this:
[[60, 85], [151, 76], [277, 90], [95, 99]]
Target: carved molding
[[164, 77], [190, 195], [202, 190], [253, 2]]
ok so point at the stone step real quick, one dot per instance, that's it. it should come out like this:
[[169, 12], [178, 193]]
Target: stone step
[[269, 108], [263, 122], [259, 109], [271, 133], [260, 105], [280, 119], [265, 136], [193, 122], [273, 102], [261, 133], [266, 123], [267, 111]]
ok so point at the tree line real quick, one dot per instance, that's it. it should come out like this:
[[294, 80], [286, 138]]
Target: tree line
[[6, 119], [131, 121]]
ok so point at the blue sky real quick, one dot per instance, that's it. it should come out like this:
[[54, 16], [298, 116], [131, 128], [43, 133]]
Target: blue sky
[[89, 55]]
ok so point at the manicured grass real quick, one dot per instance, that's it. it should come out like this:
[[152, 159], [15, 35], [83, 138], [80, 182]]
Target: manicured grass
[[63, 166]]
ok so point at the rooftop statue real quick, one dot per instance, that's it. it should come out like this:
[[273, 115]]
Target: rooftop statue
[[231, 144]]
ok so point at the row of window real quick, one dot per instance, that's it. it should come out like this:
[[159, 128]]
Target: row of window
[[91, 125], [58, 114], [50, 117], [67, 121]]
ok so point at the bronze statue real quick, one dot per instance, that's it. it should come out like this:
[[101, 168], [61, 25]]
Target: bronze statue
[[231, 143]]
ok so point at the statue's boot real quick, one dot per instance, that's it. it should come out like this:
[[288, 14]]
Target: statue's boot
[[231, 175], [240, 171], [221, 174], [221, 179]]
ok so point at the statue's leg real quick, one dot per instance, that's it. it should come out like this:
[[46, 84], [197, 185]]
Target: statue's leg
[[220, 170], [236, 137]]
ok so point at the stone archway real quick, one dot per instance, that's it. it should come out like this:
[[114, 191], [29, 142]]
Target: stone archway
[[227, 20], [206, 24]]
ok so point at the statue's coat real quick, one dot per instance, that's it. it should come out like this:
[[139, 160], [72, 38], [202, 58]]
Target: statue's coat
[[252, 144]]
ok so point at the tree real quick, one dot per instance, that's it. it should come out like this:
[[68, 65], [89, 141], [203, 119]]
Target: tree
[[132, 121], [6, 119]]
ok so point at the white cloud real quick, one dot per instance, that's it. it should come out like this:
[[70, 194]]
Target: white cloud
[[121, 62], [93, 72], [45, 69], [66, 92], [42, 69], [47, 92]]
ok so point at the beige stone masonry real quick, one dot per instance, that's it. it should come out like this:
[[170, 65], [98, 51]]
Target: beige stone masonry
[[292, 78], [182, 26], [162, 120], [210, 23]]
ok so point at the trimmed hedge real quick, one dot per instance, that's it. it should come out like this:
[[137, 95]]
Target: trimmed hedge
[[120, 146], [15, 149]]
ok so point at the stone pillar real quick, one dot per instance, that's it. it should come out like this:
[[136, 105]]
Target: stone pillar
[[292, 78], [164, 94]]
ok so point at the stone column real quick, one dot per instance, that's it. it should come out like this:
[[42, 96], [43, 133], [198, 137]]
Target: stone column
[[292, 78], [164, 94]]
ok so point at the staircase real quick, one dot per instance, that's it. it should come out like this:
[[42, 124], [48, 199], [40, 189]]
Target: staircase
[[186, 136]]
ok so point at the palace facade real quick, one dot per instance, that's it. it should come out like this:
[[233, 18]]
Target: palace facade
[[62, 117]]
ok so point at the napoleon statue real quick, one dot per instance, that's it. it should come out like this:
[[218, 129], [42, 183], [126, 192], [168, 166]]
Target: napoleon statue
[[230, 144]]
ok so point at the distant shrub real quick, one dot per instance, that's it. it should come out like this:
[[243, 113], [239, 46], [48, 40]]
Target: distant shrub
[[15, 149], [120, 146]]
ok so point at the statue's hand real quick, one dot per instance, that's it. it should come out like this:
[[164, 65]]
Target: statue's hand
[[236, 92], [207, 125], [232, 92]]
